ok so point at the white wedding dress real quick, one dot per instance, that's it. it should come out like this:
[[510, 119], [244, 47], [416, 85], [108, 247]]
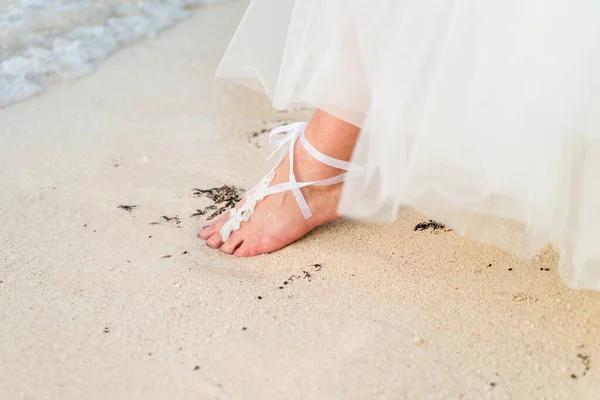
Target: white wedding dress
[[482, 114]]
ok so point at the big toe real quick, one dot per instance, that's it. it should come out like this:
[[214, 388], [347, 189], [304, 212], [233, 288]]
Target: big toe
[[245, 250], [250, 248]]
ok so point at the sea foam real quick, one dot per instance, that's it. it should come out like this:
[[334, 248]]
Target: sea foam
[[42, 41]]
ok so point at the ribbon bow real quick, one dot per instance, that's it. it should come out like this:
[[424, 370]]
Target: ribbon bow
[[287, 134]]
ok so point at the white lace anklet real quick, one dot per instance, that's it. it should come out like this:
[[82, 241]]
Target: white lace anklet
[[291, 133]]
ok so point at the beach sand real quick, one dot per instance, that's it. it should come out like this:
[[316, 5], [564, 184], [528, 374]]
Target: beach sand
[[91, 307]]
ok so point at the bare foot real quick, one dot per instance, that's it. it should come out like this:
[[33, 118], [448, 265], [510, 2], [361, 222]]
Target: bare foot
[[277, 220]]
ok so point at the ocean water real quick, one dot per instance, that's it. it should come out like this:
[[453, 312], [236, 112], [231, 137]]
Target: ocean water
[[42, 41]]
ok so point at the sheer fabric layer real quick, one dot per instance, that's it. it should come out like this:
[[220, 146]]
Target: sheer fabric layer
[[482, 114]]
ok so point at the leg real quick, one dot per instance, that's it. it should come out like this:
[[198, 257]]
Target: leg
[[277, 220]]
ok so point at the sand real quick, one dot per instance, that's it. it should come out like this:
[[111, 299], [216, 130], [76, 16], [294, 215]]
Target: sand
[[91, 307]]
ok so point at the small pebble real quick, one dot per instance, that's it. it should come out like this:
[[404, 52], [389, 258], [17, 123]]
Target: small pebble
[[524, 297], [418, 341]]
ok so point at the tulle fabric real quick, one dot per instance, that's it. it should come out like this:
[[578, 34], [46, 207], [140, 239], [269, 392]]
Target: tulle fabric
[[483, 114]]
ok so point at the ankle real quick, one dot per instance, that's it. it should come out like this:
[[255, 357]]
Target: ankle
[[331, 135], [307, 168]]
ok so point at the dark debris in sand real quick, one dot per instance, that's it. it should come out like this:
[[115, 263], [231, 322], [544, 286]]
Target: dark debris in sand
[[431, 224], [255, 134], [128, 208], [269, 126], [175, 219], [305, 275], [585, 360], [166, 218], [223, 198]]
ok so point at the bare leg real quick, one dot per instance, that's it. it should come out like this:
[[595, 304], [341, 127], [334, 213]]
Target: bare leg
[[277, 221]]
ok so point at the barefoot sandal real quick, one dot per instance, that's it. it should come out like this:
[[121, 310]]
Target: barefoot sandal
[[279, 137]]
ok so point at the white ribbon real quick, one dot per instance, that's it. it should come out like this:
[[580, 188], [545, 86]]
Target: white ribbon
[[290, 132], [288, 135]]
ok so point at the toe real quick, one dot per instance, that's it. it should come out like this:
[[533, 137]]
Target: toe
[[232, 244], [210, 230], [207, 232], [215, 241], [241, 252], [245, 250], [254, 248]]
